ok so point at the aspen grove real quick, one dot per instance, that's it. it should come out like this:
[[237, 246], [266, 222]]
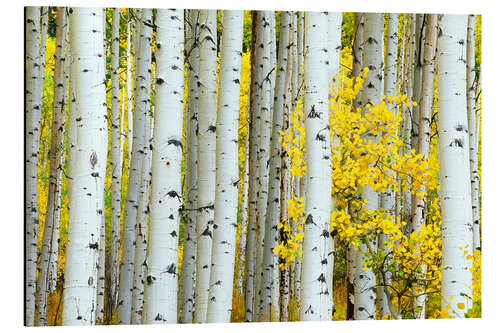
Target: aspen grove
[[201, 166]]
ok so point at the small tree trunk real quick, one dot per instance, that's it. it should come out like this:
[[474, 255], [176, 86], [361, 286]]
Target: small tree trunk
[[48, 258], [426, 100], [32, 129], [89, 169], [284, 269], [357, 51], [141, 225], [130, 118], [244, 211], [101, 279], [188, 272], [418, 52], [250, 250], [226, 194], [263, 155], [407, 114], [116, 158], [207, 86], [270, 269], [473, 130], [388, 197], [142, 68]]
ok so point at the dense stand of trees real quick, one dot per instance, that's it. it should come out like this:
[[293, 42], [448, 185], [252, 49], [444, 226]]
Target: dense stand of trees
[[194, 166]]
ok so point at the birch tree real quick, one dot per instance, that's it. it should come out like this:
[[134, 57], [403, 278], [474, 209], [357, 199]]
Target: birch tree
[[316, 301], [270, 269], [473, 131], [244, 211], [130, 120], [387, 199], [116, 157], [32, 129], [142, 68], [250, 251], [101, 271], [263, 154], [48, 257], [207, 87], [424, 133], [160, 294], [285, 185], [141, 226], [365, 284], [87, 186], [333, 56], [227, 176], [188, 272], [357, 52], [454, 176]]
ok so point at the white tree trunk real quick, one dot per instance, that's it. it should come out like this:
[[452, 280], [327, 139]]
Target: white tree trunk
[[334, 48], [188, 271], [142, 68], [263, 154], [116, 157], [250, 251], [141, 227], [286, 181], [244, 209], [387, 199], [473, 131], [207, 86], [424, 132], [417, 78], [90, 155], [160, 294], [227, 177], [32, 129], [130, 120], [101, 279], [316, 303], [294, 181], [456, 212], [270, 270], [48, 258], [373, 58]]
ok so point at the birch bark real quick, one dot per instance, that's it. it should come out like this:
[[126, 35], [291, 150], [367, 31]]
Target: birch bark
[[160, 293], [116, 157], [357, 51], [48, 257], [316, 301], [188, 272], [227, 177], [365, 284], [90, 155], [207, 87], [473, 131], [387, 199], [142, 68], [263, 155], [270, 269], [456, 212], [250, 251], [32, 129]]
